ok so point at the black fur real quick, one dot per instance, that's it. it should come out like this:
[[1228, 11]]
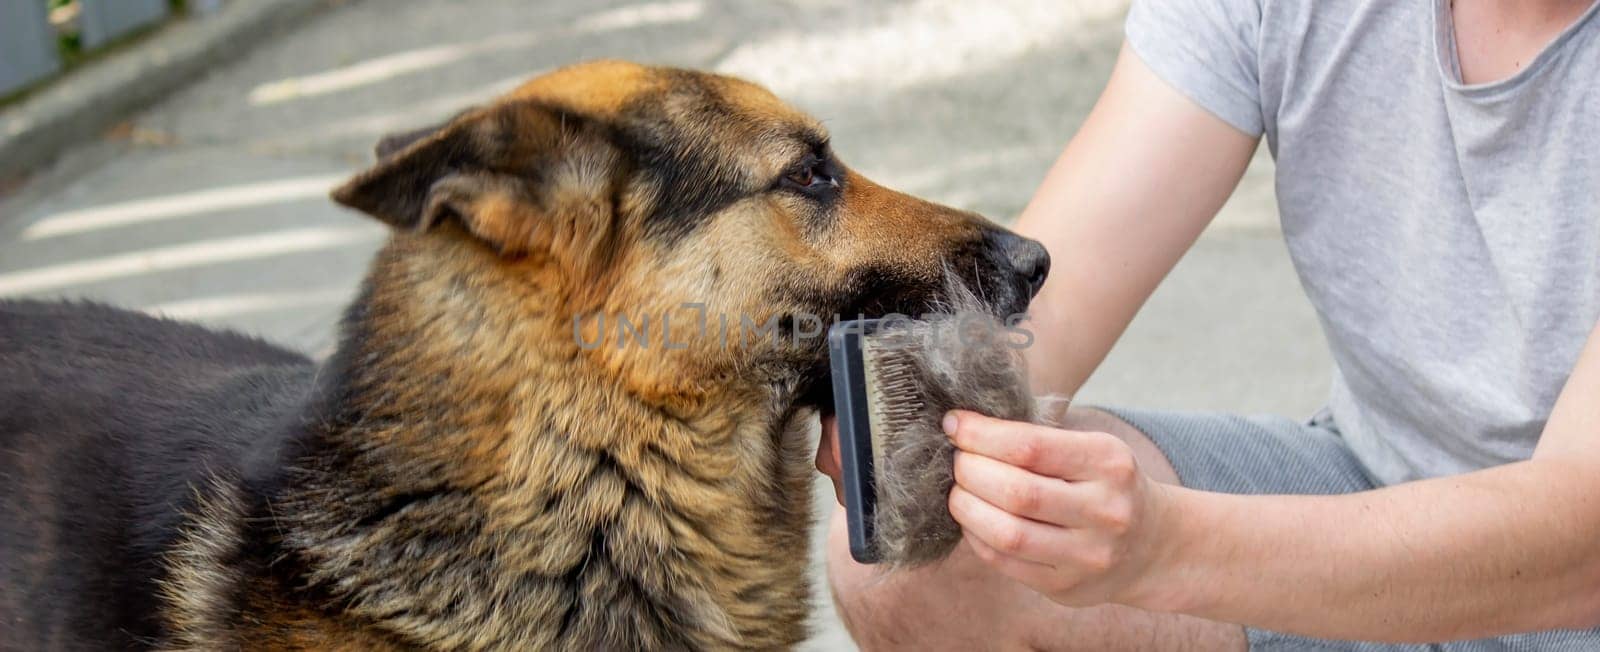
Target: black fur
[[694, 180], [109, 420]]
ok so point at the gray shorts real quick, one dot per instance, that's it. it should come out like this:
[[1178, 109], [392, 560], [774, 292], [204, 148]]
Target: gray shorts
[[1276, 455]]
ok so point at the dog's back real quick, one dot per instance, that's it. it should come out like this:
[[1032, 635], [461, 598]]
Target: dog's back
[[108, 420], [468, 472]]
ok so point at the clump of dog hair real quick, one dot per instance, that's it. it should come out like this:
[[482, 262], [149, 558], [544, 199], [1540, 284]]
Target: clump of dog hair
[[961, 359]]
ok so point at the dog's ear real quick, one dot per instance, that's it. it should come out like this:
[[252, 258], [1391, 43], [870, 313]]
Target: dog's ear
[[393, 143], [519, 176]]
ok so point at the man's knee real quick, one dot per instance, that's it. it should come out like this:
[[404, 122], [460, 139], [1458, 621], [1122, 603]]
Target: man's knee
[[961, 605], [1097, 420], [953, 605], [1151, 459]]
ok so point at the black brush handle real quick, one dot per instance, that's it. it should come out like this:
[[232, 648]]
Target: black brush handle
[[855, 433]]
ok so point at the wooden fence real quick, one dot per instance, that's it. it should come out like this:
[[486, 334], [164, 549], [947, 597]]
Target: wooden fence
[[31, 47]]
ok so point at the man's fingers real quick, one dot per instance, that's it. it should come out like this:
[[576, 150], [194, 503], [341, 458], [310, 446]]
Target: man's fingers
[[1026, 572], [830, 425], [1065, 454], [828, 457], [1078, 549], [1024, 493], [1008, 534], [828, 448]]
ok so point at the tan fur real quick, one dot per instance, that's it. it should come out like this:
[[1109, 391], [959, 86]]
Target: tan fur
[[525, 426], [502, 487]]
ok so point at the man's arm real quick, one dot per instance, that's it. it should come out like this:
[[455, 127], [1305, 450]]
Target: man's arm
[[1515, 548], [1134, 188], [1511, 549], [1143, 176], [1138, 182]]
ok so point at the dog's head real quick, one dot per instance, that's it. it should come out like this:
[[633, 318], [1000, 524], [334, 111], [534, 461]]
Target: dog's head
[[690, 229]]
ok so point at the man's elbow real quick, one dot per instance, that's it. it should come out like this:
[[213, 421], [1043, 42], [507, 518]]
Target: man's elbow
[[1586, 615], [1580, 608], [1585, 611]]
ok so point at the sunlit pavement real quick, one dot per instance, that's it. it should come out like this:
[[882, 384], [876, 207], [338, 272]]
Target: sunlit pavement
[[212, 205]]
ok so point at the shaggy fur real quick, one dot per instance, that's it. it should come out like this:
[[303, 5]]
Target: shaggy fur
[[964, 360], [467, 472]]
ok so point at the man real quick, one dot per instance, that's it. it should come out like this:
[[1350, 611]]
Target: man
[[1439, 180]]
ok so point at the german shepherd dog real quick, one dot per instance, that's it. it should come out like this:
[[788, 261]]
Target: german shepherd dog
[[488, 461]]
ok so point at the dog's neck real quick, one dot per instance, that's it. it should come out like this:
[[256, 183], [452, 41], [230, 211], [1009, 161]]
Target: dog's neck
[[489, 479], [445, 357]]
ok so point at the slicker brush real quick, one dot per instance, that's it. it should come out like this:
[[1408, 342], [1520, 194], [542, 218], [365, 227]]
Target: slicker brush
[[894, 380]]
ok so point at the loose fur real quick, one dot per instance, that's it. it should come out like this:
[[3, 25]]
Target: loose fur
[[963, 358], [488, 461]]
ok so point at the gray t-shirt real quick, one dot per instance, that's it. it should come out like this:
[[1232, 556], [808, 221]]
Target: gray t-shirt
[[1448, 234]]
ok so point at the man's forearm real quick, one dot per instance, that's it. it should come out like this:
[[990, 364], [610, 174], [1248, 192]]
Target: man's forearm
[[1515, 548], [1510, 549]]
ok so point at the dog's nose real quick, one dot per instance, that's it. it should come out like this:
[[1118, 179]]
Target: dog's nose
[[1029, 261]]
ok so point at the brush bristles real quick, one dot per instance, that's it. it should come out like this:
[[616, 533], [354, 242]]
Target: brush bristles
[[917, 371]]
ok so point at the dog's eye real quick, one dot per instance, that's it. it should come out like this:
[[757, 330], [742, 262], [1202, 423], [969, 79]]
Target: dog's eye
[[813, 176], [804, 178]]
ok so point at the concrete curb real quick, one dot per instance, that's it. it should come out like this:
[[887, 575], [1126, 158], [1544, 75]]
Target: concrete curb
[[84, 103]]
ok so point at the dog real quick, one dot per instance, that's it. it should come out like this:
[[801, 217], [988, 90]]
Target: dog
[[504, 451]]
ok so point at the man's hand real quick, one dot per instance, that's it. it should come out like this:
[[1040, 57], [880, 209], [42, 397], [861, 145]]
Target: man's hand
[[828, 456], [1066, 513]]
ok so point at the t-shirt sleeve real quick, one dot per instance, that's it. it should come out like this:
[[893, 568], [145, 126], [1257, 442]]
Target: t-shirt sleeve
[[1207, 49]]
